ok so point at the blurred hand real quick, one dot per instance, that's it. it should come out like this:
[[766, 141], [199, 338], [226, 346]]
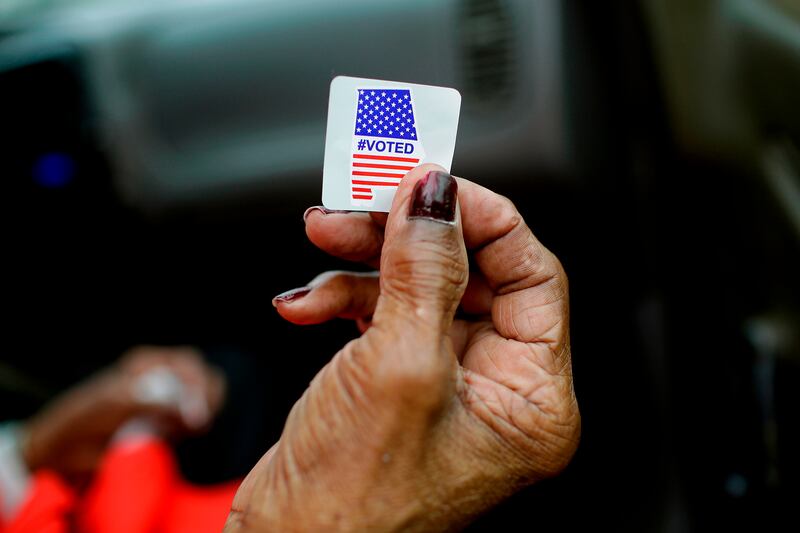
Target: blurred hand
[[70, 435], [424, 421]]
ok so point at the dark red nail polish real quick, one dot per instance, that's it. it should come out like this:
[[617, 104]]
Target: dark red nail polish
[[290, 296], [434, 197], [321, 209]]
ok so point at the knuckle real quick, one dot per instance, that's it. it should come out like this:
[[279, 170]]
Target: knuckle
[[507, 214]]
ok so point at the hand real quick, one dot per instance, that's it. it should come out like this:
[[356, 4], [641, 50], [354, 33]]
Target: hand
[[424, 421], [70, 435]]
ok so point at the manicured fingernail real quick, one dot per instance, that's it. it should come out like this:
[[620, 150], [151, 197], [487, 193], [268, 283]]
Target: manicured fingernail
[[434, 198], [322, 209], [290, 296]]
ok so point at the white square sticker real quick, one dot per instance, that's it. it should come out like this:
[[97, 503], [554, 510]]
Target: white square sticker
[[379, 130]]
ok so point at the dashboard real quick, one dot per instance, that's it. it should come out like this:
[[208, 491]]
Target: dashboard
[[187, 102]]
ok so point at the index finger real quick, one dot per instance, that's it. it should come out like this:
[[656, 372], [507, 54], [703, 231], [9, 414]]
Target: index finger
[[509, 255], [530, 286], [488, 219]]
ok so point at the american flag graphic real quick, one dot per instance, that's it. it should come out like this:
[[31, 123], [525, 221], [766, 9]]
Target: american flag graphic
[[385, 142]]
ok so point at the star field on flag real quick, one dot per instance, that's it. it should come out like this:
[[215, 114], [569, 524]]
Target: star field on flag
[[385, 143]]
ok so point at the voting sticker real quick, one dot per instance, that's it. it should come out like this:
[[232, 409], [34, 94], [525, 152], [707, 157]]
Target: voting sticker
[[379, 130]]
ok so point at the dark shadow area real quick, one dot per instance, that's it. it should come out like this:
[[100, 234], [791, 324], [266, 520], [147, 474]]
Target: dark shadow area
[[673, 257]]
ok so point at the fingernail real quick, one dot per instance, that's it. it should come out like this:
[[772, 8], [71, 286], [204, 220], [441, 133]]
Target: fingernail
[[290, 296], [322, 209], [434, 198]]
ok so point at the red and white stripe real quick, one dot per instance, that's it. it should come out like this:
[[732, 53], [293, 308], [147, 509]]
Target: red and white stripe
[[371, 171]]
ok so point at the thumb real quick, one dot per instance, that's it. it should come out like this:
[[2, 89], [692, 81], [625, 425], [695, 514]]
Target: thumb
[[423, 270]]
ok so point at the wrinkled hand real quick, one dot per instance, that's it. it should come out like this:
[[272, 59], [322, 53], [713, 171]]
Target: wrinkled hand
[[424, 421], [70, 434]]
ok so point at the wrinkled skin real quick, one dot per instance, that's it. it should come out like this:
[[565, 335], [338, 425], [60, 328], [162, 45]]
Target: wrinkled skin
[[424, 421]]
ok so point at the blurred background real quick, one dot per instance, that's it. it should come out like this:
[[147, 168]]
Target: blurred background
[[157, 156]]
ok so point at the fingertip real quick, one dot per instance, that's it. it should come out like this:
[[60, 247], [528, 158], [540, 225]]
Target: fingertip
[[290, 296], [413, 176], [313, 210], [424, 263], [315, 218], [407, 184], [349, 235], [289, 304], [435, 198], [330, 295], [321, 210], [314, 224], [487, 215]]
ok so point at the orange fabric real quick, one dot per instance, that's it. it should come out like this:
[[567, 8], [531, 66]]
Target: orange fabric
[[199, 509], [131, 490], [46, 509], [137, 489]]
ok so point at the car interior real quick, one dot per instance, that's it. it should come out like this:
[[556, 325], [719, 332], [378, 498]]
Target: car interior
[[158, 156]]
